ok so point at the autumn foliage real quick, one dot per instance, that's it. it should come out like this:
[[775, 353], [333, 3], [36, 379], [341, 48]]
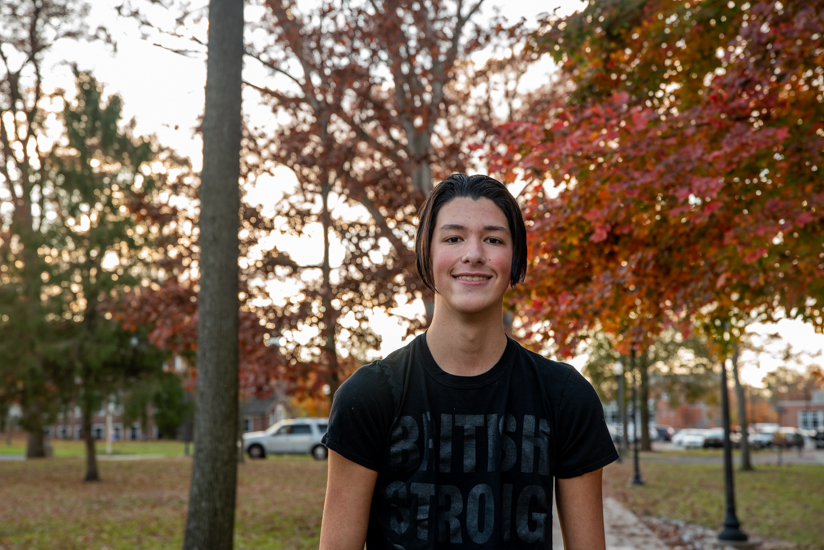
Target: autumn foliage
[[679, 178]]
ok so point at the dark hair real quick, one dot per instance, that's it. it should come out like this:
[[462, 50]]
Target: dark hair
[[473, 187]]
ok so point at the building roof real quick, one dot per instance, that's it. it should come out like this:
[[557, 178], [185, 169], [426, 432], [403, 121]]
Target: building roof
[[258, 406]]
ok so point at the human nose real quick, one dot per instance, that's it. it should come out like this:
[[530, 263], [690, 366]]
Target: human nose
[[473, 253]]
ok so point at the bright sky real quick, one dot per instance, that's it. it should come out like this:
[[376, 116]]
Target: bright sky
[[163, 91]]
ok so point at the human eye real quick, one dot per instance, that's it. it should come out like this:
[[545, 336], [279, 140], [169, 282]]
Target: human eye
[[452, 239], [494, 240]]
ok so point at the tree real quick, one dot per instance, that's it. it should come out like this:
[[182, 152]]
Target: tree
[[678, 168], [210, 520], [370, 104], [680, 367], [370, 112], [109, 192], [683, 198], [789, 383], [28, 30], [164, 392]]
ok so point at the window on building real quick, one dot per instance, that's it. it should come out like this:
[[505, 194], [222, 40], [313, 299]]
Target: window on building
[[98, 431], [247, 424], [810, 420], [134, 432]]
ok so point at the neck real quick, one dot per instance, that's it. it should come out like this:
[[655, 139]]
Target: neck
[[466, 345]]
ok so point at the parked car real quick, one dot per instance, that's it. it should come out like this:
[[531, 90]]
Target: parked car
[[665, 433], [294, 436], [714, 438], [761, 440], [693, 440], [653, 433], [819, 439], [689, 438]]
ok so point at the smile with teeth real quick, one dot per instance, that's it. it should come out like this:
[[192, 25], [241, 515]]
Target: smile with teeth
[[471, 278]]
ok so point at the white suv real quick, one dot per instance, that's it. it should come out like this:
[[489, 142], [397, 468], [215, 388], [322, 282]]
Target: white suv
[[293, 436]]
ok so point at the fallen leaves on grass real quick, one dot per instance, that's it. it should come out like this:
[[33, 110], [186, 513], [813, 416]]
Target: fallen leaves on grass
[[142, 504]]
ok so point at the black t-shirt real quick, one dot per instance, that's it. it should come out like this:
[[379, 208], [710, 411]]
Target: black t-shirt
[[467, 461]]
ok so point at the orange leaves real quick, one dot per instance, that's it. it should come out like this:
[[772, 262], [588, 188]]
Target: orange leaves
[[510, 177], [697, 181]]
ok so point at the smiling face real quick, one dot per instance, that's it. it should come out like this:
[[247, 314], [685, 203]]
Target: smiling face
[[471, 255]]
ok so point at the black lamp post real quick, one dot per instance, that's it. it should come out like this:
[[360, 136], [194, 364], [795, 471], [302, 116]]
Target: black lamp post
[[636, 478], [618, 371], [731, 531]]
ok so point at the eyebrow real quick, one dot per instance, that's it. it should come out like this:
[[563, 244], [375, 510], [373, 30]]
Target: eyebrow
[[459, 227]]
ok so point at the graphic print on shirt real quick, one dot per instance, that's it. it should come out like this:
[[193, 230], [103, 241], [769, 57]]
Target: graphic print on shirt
[[507, 452], [467, 462]]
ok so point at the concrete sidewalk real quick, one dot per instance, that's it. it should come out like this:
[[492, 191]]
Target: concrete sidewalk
[[624, 531]]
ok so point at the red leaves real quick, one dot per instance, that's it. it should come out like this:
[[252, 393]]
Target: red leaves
[[753, 256], [170, 314], [639, 121], [670, 191], [600, 233]]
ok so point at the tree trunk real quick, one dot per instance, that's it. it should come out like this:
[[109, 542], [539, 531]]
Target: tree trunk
[[241, 406], [211, 515], [643, 401], [35, 438], [746, 464], [8, 426], [88, 438], [330, 315], [624, 415], [422, 177], [35, 444]]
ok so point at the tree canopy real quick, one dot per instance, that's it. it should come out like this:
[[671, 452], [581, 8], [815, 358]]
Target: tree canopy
[[684, 164]]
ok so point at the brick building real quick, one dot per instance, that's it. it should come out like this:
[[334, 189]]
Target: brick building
[[807, 414], [69, 425], [686, 415]]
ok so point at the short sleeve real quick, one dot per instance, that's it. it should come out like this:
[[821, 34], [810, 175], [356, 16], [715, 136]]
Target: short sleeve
[[361, 417], [584, 442]]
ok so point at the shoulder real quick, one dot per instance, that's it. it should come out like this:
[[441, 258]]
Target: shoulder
[[381, 378], [561, 380], [556, 372]]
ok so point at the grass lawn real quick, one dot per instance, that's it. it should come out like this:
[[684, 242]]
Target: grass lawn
[[142, 504], [774, 502], [76, 448]]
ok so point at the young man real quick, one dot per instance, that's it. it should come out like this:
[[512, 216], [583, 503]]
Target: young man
[[454, 440]]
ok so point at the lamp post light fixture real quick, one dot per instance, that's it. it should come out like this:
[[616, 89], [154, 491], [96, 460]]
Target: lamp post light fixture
[[618, 371], [731, 531], [636, 478]]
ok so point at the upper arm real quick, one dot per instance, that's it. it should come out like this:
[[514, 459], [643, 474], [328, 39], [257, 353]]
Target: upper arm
[[581, 511], [349, 489]]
